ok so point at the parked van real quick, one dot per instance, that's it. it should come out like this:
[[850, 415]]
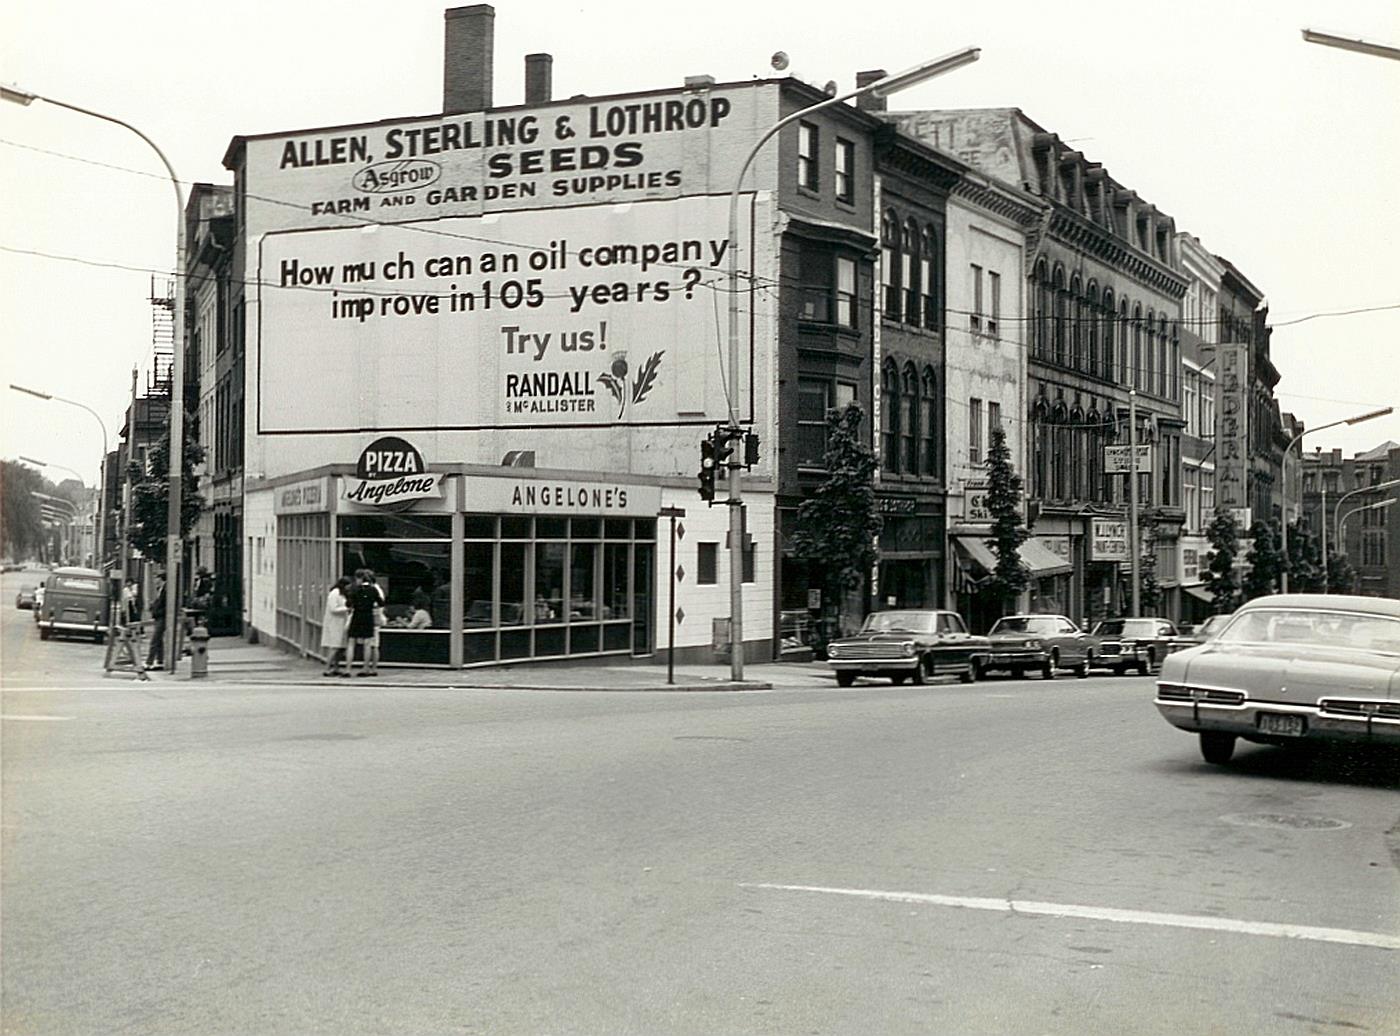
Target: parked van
[[76, 602]]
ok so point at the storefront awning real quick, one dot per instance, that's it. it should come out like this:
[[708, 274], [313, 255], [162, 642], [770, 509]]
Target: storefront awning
[[1199, 593], [1038, 561]]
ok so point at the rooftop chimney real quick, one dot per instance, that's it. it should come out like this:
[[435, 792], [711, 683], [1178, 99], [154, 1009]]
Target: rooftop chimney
[[466, 65], [869, 102], [539, 78]]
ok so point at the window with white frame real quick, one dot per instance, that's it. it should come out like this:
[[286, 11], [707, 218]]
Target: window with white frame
[[993, 302], [974, 319], [807, 167], [974, 431], [845, 171]]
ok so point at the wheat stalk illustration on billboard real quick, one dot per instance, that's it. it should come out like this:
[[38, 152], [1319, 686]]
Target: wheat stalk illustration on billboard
[[616, 380]]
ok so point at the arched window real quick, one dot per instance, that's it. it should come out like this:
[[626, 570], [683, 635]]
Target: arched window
[[1077, 459], [1109, 339], [889, 263], [909, 271], [1125, 359], [1137, 379], [889, 415], [911, 432], [1040, 449], [1075, 312], [1094, 421], [1164, 375], [1091, 311], [1061, 303], [932, 424], [1175, 360], [1150, 373], [929, 265], [1059, 460], [1040, 324]]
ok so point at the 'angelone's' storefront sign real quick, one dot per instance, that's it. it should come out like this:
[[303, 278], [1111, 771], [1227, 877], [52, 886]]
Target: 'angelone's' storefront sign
[[391, 472], [572, 496]]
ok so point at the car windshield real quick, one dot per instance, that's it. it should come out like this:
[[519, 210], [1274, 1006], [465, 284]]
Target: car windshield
[[1324, 628], [1211, 626], [1042, 624], [1127, 628], [900, 622]]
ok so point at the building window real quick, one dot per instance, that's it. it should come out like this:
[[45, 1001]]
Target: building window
[[907, 258], [974, 431], [748, 554], [974, 319], [707, 564], [993, 302], [911, 432], [928, 253], [889, 416], [1061, 302], [931, 422], [993, 419], [846, 291], [889, 266], [807, 173], [815, 399], [845, 171], [828, 288]]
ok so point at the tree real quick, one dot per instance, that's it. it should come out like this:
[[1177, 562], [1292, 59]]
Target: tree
[[1009, 578], [1219, 576], [1304, 559], [1149, 590], [1265, 562], [21, 526], [1341, 577], [150, 496], [837, 525]]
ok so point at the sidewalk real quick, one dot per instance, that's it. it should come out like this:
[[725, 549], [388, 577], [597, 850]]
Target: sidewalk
[[233, 661]]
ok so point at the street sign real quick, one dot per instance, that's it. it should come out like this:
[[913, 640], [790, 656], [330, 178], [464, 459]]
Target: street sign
[[1109, 540], [1117, 462]]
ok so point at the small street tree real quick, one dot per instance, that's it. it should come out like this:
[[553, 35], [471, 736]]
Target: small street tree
[[1341, 577], [1265, 562], [1304, 560], [1009, 578], [838, 523], [150, 494], [1219, 576]]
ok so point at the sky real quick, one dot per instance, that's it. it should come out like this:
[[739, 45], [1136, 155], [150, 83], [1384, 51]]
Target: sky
[[1280, 155]]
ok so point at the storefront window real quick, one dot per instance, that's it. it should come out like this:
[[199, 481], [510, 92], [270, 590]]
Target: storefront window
[[549, 583], [415, 577], [583, 587]]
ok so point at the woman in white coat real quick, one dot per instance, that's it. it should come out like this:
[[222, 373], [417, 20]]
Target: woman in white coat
[[333, 624]]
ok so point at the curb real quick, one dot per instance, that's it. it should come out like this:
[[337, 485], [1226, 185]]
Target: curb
[[318, 681]]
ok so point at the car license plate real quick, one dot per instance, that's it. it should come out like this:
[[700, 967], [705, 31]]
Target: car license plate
[[1275, 723]]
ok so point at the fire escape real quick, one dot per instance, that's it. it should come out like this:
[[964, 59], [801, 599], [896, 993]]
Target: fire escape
[[162, 337]]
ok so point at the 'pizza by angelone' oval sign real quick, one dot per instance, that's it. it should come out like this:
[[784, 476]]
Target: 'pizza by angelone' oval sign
[[391, 471]]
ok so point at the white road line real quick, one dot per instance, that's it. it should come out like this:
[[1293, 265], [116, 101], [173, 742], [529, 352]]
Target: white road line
[[51, 718], [1345, 936]]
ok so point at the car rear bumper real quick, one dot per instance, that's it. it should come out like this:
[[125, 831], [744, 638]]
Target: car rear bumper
[[72, 627], [871, 665], [1358, 723], [1002, 659]]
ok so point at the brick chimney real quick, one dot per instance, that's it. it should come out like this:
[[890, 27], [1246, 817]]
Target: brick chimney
[[468, 44], [869, 102], [539, 78]]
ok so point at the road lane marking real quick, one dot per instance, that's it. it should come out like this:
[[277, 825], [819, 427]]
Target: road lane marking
[[51, 718], [1344, 936]]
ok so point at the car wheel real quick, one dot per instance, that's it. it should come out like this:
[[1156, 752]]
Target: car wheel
[[1047, 671], [845, 679], [921, 671], [1082, 670], [1017, 672], [43, 633], [899, 678], [1120, 670], [968, 675], [979, 671], [1145, 665], [1217, 747]]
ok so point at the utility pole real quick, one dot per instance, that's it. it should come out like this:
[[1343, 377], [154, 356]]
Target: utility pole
[[1134, 561]]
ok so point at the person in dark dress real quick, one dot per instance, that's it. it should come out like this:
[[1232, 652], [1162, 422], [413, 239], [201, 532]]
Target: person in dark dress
[[365, 599], [155, 658]]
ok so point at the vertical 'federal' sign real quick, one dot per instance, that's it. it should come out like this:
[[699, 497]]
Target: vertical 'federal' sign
[[1232, 427]]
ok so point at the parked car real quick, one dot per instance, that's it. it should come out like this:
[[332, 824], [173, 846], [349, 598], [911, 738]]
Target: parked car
[[909, 644], [1133, 643], [1289, 669], [1191, 636], [1020, 643], [25, 598]]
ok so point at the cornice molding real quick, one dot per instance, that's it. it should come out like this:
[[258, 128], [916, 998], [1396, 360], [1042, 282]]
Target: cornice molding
[[1072, 229]]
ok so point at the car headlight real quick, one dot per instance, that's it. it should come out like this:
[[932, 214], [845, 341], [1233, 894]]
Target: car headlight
[[908, 648], [1033, 644], [833, 651]]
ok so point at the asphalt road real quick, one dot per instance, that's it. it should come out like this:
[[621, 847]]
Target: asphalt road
[[1006, 857]]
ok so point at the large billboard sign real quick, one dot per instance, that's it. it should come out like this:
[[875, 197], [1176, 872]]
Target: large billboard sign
[[1232, 427], [544, 318]]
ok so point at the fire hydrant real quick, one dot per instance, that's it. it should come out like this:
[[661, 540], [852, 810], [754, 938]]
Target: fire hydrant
[[199, 652]]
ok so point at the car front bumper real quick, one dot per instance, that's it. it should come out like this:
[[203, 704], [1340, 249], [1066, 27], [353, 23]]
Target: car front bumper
[[1349, 720], [871, 665], [1002, 659]]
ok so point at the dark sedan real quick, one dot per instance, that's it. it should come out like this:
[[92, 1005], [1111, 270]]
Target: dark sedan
[[1139, 644], [908, 644], [25, 598]]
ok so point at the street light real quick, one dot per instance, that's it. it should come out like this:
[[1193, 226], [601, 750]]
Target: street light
[[45, 464], [100, 531], [1283, 539], [880, 88], [1336, 511], [1359, 46], [173, 546]]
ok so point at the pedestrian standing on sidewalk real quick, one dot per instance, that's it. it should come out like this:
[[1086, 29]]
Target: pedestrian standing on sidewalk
[[155, 658], [131, 603], [333, 623], [366, 611]]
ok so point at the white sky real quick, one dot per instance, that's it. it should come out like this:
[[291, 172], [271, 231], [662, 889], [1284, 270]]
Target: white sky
[[1280, 155]]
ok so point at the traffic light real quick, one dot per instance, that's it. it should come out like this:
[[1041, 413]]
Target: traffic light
[[750, 449], [708, 468], [724, 445]]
